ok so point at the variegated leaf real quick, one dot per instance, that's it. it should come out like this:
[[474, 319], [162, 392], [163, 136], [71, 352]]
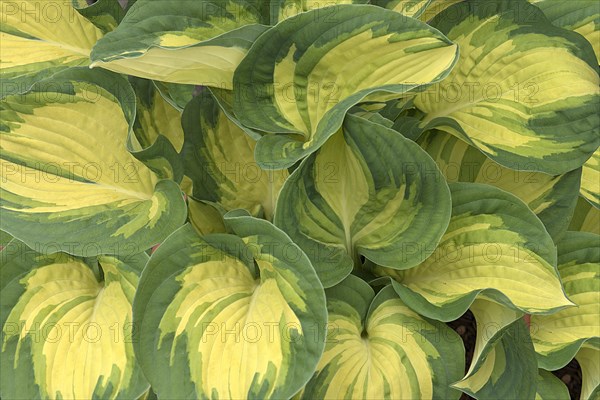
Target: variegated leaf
[[368, 192], [581, 16], [494, 246], [40, 38], [253, 300], [67, 177], [509, 370], [558, 337], [205, 217], [590, 179], [378, 348], [105, 14], [551, 198], [398, 114], [493, 321], [588, 358], [586, 217], [157, 137], [177, 95], [507, 97], [435, 7], [197, 42], [410, 8], [225, 100], [67, 326], [219, 158], [283, 9], [298, 80]]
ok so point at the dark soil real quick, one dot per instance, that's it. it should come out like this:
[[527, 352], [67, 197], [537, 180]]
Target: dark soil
[[466, 327], [570, 374]]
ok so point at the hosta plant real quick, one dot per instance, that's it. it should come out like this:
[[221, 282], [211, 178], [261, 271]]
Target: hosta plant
[[230, 199]]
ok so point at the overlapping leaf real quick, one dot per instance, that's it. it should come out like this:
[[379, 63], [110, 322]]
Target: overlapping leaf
[[40, 38], [581, 16], [229, 306], [157, 137], [549, 387], [205, 217], [177, 95], [494, 246], [5, 238], [552, 198], [590, 179], [410, 8], [188, 41], [509, 370], [367, 192], [508, 95], [493, 322], [105, 14], [283, 9], [229, 317], [435, 7], [65, 333], [586, 217], [378, 348], [588, 358], [68, 179], [298, 80], [559, 336], [219, 159]]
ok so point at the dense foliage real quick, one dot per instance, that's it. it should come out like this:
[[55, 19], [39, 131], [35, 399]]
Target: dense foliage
[[233, 199]]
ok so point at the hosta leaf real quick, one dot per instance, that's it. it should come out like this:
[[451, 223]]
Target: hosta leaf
[[389, 352], [552, 198], [156, 116], [410, 8], [367, 192], [590, 179], [40, 38], [229, 317], [509, 370], [105, 14], [176, 94], [68, 179], [435, 7], [297, 81], [408, 125], [205, 217], [495, 246], [507, 94], [158, 136], [186, 185], [557, 337], [549, 387], [219, 158], [373, 117], [149, 395], [401, 116], [197, 42], [4, 239], [282, 9], [493, 320], [225, 100], [65, 333], [586, 217], [588, 358], [581, 16]]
